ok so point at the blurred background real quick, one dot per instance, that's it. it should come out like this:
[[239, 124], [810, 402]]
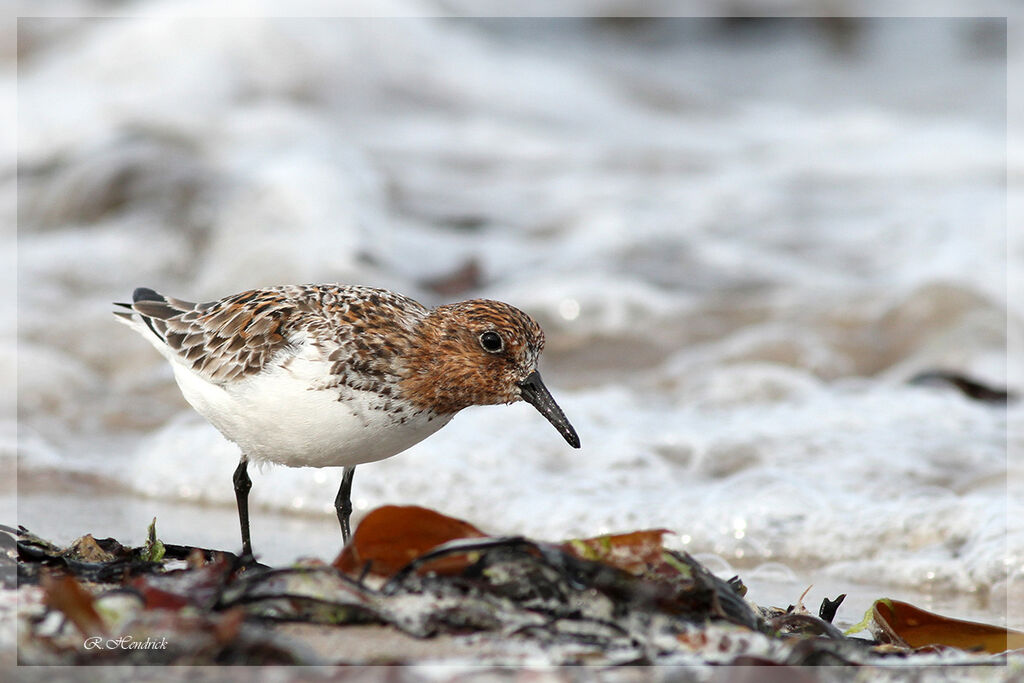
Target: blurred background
[[743, 237]]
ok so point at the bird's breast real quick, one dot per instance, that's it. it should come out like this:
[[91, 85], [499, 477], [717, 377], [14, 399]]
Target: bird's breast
[[280, 415]]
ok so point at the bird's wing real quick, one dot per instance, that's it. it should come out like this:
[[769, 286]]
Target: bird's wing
[[359, 332], [221, 340]]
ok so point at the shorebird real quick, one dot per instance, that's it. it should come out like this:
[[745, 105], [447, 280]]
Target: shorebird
[[339, 375]]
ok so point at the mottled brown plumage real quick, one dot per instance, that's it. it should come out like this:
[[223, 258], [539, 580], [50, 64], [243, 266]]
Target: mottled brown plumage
[[446, 367], [240, 335]]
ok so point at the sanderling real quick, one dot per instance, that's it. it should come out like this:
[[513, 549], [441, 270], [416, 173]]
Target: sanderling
[[336, 375]]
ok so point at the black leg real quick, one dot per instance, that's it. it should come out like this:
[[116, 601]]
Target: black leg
[[242, 486], [343, 503]]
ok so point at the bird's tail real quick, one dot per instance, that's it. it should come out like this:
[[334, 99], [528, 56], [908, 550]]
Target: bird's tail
[[152, 308], [144, 296]]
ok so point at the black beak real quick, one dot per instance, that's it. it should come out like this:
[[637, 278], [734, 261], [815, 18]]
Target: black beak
[[536, 394]]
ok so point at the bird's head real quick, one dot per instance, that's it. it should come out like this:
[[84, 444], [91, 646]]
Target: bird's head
[[481, 352]]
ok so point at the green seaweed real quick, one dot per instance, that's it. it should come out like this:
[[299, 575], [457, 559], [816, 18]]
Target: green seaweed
[[864, 623], [154, 549], [671, 560]]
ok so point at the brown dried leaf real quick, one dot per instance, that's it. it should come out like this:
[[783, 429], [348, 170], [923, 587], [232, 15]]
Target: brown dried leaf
[[64, 594], [638, 552], [228, 626], [392, 536], [86, 549], [904, 624], [176, 589]]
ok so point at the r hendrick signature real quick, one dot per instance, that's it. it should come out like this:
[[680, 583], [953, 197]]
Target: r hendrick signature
[[124, 643]]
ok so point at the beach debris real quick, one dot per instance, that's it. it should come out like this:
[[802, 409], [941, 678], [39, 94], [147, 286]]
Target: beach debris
[[613, 599], [392, 536], [905, 625], [970, 388], [828, 609], [154, 550], [65, 594]]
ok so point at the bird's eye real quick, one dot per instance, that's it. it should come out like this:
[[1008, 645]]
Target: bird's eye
[[491, 342]]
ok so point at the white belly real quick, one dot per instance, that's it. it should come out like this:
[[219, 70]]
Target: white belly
[[276, 417]]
